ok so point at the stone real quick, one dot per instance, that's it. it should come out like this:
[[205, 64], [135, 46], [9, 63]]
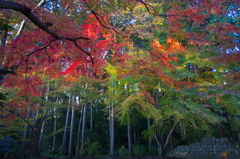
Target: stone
[[231, 139], [213, 139], [204, 139], [237, 145], [224, 139]]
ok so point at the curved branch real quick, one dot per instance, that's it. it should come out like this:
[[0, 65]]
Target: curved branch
[[29, 14], [42, 25], [41, 48], [156, 12]]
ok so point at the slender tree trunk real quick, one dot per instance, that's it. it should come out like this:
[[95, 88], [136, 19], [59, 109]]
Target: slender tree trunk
[[135, 135], [70, 153], [21, 29], [169, 135], [41, 136], [129, 135], [149, 138], [84, 124], [91, 116], [25, 132], [3, 40], [111, 130], [130, 149], [4, 35], [30, 134], [79, 133], [64, 142], [161, 147], [54, 128], [24, 142], [43, 123]]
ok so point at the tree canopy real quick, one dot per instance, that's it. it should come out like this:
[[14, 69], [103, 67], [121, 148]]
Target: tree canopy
[[172, 64]]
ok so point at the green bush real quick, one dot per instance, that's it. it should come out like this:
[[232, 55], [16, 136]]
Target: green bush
[[122, 152], [139, 150], [92, 149]]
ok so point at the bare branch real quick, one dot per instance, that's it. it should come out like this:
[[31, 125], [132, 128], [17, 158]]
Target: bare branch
[[155, 12], [41, 48]]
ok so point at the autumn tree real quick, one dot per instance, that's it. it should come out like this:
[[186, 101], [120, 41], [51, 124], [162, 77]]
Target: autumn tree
[[152, 45]]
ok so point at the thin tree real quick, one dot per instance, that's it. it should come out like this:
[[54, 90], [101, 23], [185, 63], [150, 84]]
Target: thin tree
[[64, 141], [70, 153]]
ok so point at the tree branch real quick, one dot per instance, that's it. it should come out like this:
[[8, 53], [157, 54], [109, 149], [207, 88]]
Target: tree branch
[[155, 12], [28, 13], [42, 25], [23, 23], [170, 134]]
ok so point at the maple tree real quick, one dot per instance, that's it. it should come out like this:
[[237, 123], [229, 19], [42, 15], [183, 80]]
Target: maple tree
[[141, 44]]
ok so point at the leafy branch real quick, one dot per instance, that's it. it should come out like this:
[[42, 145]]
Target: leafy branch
[[42, 25]]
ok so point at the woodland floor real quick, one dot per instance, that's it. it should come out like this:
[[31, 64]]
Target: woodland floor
[[111, 158]]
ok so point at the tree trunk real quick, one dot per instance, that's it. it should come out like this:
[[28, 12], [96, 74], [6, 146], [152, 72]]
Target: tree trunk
[[149, 138], [160, 149], [168, 137], [159, 140], [111, 130], [54, 129], [70, 153], [84, 124], [25, 130], [34, 152], [41, 136], [43, 123], [220, 130], [64, 142], [129, 135], [91, 116], [3, 35], [79, 133], [35, 145]]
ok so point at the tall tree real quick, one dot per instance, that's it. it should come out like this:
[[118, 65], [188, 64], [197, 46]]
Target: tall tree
[[64, 139]]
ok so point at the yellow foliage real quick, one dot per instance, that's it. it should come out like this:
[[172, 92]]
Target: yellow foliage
[[112, 70]]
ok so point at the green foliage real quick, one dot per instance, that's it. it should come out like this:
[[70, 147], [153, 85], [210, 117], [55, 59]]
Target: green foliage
[[59, 130], [93, 149], [48, 152], [231, 103], [148, 133], [139, 150], [4, 25], [122, 152]]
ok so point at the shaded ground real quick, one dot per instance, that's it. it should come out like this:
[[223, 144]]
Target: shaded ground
[[109, 158]]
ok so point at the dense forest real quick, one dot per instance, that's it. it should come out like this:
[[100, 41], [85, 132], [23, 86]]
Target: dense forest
[[118, 78]]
